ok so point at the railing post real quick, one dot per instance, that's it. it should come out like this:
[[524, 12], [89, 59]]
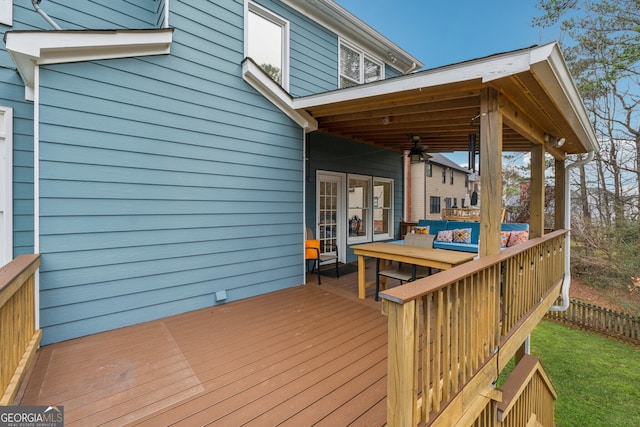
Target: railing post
[[402, 376]]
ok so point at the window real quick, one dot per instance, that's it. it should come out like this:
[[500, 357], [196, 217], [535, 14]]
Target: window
[[451, 175], [466, 180], [6, 12], [359, 211], [447, 202], [434, 205], [356, 67], [382, 208], [267, 43], [444, 175], [370, 208], [428, 169], [464, 202]]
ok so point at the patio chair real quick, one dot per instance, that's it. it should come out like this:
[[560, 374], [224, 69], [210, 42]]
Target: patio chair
[[312, 252], [406, 272]]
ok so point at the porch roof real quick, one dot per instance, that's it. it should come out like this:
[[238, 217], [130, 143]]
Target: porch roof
[[537, 97]]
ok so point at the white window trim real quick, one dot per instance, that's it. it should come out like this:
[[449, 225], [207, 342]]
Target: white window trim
[[390, 234], [363, 54], [6, 12], [6, 185], [283, 23]]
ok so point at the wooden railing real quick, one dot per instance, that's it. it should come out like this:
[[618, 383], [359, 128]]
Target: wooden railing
[[451, 334], [19, 338], [528, 396], [601, 320]]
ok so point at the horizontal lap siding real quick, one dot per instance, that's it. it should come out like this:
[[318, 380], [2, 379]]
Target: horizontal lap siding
[[164, 180], [99, 14]]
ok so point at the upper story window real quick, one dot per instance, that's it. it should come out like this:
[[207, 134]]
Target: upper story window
[[267, 42], [444, 175], [357, 67], [451, 176], [6, 12], [428, 169]]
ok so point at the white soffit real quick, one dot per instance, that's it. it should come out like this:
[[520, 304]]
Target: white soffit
[[29, 49]]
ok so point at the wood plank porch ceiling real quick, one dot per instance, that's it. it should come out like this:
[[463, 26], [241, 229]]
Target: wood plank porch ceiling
[[445, 115]]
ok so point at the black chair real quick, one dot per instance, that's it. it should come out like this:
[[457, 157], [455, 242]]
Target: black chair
[[313, 253]]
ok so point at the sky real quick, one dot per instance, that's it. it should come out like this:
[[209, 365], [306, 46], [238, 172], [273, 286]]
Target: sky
[[441, 32]]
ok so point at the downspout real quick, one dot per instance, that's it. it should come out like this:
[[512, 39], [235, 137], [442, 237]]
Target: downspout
[[566, 283], [42, 13], [411, 69]]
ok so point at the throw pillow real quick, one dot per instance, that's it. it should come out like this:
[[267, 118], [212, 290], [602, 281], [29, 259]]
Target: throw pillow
[[462, 235], [518, 237], [504, 238], [422, 230], [445, 236]]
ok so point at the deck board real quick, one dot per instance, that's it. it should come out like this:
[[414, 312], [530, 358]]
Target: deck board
[[309, 355]]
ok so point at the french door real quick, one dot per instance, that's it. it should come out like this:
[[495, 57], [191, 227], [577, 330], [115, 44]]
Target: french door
[[329, 213]]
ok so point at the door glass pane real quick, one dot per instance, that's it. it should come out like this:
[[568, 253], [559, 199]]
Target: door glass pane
[[381, 207], [328, 216], [358, 206]]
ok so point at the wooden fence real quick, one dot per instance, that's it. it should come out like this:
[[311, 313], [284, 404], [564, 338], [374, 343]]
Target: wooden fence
[[601, 320], [19, 338]]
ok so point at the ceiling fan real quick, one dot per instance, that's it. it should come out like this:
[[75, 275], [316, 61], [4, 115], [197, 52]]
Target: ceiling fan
[[418, 153]]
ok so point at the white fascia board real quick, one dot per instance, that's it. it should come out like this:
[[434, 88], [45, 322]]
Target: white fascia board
[[29, 49], [485, 70], [550, 69], [264, 84], [334, 17]]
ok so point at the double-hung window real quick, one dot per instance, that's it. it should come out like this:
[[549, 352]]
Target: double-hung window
[[357, 67], [370, 208], [267, 42], [382, 208]]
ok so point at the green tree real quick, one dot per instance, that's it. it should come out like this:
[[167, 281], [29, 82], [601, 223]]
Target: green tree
[[603, 53]]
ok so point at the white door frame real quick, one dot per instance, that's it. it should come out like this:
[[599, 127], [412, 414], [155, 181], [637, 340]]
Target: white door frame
[[6, 185], [340, 179]]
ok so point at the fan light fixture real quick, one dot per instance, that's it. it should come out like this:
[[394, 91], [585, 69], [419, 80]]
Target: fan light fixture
[[417, 154]]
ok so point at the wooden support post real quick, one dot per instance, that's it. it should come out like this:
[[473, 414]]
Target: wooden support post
[[559, 204], [402, 361], [491, 172], [536, 192]]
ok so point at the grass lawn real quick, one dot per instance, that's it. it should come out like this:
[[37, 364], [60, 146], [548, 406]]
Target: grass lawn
[[597, 379]]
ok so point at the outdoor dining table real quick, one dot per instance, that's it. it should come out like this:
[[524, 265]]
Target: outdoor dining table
[[428, 257]]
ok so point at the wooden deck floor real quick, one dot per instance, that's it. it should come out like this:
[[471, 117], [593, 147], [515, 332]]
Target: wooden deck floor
[[310, 355]]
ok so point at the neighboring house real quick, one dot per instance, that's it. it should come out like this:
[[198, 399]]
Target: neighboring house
[[154, 170], [438, 183]]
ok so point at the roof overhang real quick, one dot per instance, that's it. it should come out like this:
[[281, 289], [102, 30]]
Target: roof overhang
[[442, 106], [29, 49], [342, 22], [272, 91]]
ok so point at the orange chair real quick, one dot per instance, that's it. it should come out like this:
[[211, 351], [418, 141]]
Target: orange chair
[[312, 253]]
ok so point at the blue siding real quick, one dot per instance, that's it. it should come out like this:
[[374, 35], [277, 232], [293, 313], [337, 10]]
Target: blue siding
[[82, 14], [164, 180], [328, 153]]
